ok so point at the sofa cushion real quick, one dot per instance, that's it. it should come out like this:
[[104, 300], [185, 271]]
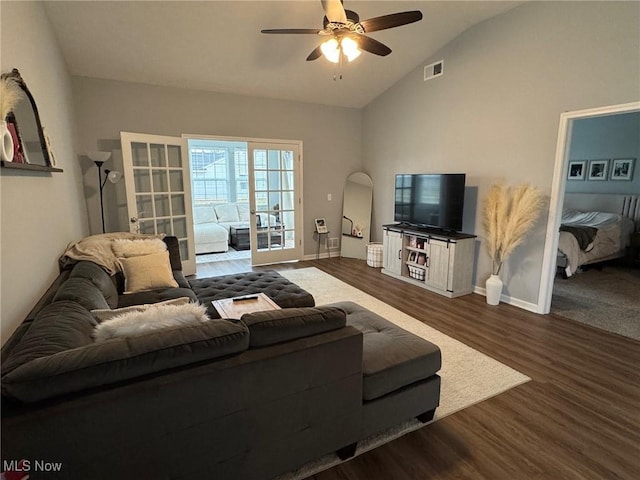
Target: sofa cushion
[[276, 326], [82, 291], [147, 272], [59, 327], [204, 214], [155, 296], [392, 357], [227, 212], [102, 363], [99, 277], [285, 293], [243, 212], [154, 317]]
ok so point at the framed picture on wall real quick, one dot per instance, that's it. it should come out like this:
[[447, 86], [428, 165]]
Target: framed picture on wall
[[598, 169], [622, 168], [577, 170]]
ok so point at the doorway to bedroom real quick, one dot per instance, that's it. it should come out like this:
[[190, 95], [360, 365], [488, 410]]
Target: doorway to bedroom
[[591, 184], [246, 199]]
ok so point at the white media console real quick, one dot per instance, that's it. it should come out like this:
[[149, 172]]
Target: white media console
[[438, 261]]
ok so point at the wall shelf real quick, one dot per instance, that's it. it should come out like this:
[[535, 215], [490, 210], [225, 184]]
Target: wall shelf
[[29, 167]]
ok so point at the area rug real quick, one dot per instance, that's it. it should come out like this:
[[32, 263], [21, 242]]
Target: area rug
[[468, 376], [607, 299]]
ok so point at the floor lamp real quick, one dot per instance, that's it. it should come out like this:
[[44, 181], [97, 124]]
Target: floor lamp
[[99, 158]]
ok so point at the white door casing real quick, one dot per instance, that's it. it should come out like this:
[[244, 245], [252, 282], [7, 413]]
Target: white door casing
[[158, 189]]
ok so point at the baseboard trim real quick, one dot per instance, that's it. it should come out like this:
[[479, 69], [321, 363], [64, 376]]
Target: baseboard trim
[[516, 302]]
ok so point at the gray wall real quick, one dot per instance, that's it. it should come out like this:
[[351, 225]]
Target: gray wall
[[494, 114], [610, 137], [40, 213], [331, 137]]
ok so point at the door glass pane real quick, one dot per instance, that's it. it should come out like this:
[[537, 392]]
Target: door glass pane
[[164, 226], [274, 159], [180, 227], [260, 180], [144, 205], [160, 181], [142, 180], [260, 159], [157, 155], [175, 181], [287, 160], [174, 153], [146, 226], [274, 180], [177, 205], [139, 154], [162, 206]]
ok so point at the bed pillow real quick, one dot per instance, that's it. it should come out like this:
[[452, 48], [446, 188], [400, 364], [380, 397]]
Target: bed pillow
[[156, 317], [103, 314], [134, 248], [147, 272]]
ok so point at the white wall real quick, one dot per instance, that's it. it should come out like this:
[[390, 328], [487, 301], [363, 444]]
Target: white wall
[[494, 114], [40, 213], [608, 137], [331, 136]]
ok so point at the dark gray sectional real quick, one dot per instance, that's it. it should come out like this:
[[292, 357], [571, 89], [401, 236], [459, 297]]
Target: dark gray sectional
[[227, 399]]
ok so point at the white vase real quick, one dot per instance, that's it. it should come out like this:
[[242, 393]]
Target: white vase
[[6, 143], [494, 289]]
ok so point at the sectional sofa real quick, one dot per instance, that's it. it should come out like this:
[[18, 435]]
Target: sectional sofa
[[248, 398]]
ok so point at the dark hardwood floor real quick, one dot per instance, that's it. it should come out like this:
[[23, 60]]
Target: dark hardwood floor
[[579, 417]]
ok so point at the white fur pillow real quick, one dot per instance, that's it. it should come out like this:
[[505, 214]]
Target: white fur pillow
[[135, 248], [132, 324]]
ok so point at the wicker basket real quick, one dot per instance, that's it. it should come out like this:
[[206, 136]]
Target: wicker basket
[[374, 254]]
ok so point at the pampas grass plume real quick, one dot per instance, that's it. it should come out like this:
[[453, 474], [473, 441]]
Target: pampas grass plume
[[508, 215], [10, 95]]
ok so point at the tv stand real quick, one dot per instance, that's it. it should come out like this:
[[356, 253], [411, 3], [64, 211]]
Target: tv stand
[[431, 258]]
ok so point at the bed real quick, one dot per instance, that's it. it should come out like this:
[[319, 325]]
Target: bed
[[591, 237]]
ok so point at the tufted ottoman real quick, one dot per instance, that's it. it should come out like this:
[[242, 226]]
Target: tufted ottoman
[[269, 282], [400, 369]]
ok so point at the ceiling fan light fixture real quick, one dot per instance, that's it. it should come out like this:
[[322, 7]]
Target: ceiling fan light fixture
[[331, 50], [350, 48]]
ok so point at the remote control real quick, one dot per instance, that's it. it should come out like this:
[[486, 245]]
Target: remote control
[[242, 299]]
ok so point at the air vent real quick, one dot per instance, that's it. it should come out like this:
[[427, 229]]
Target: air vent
[[433, 70]]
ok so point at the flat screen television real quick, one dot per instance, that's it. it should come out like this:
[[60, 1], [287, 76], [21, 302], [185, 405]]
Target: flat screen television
[[430, 200]]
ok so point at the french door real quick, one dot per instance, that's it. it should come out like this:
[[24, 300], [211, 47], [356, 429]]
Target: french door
[[156, 173], [275, 202]]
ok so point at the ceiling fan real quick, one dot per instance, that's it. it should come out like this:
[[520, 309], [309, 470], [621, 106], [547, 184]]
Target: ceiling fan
[[346, 33]]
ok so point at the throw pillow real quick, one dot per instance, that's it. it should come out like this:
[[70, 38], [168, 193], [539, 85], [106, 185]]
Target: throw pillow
[[104, 314], [227, 213], [156, 317], [134, 248], [147, 272]]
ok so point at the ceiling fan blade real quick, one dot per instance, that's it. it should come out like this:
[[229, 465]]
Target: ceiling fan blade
[[292, 30], [334, 11], [317, 53], [370, 45], [391, 20]]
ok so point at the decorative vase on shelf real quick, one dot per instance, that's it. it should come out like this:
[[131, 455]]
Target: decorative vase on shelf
[[494, 289], [6, 147]]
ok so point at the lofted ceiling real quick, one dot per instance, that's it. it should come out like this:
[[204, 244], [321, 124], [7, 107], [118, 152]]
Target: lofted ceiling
[[217, 45]]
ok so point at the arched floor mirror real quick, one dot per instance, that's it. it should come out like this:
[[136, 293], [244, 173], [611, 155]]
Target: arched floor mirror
[[356, 216]]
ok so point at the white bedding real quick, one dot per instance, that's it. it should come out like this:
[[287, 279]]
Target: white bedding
[[614, 232]]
